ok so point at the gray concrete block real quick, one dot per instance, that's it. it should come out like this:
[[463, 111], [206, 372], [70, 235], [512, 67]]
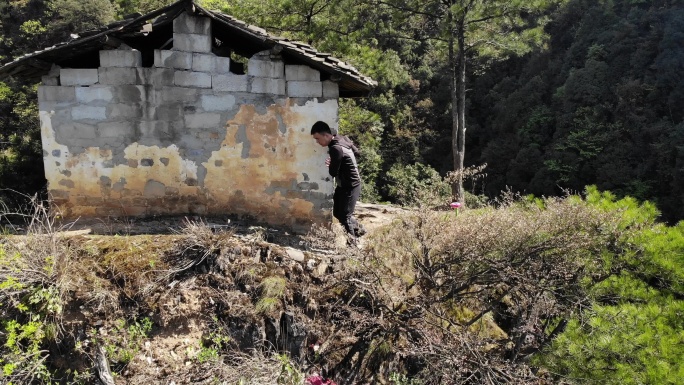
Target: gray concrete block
[[186, 23], [120, 58], [130, 93], [55, 111], [192, 79], [54, 70], [222, 65], [204, 120], [169, 111], [78, 76], [125, 129], [203, 62], [188, 42], [265, 69], [331, 89], [179, 94], [118, 75], [49, 80], [94, 94], [120, 111], [158, 77], [153, 129], [173, 59], [89, 113], [301, 73], [268, 86], [73, 130], [304, 89], [56, 94], [230, 82], [220, 102]]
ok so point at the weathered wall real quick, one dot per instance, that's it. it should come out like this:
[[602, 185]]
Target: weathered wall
[[187, 136]]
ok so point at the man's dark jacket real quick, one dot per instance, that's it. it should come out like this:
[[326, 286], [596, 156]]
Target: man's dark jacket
[[343, 165]]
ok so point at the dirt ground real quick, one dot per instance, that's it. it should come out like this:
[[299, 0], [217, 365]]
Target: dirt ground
[[108, 284], [370, 215]]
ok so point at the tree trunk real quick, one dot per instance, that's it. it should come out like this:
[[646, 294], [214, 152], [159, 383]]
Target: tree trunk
[[458, 109]]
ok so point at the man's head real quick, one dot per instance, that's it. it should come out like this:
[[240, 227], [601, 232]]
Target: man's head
[[321, 133]]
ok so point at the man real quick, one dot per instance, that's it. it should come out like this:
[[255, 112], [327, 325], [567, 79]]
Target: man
[[342, 166]]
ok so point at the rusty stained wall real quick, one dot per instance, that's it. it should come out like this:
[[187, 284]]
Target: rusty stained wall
[[263, 164]]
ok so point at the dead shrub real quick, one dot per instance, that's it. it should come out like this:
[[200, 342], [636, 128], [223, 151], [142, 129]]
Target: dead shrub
[[469, 298]]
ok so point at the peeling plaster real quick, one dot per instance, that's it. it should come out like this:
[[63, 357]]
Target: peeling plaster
[[173, 150]]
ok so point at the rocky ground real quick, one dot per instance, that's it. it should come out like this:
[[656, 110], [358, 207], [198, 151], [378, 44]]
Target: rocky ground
[[172, 300]]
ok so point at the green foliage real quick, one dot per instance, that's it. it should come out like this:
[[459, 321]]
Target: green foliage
[[416, 184], [289, 373], [124, 340], [215, 342], [22, 356], [77, 16], [595, 108], [632, 334], [20, 147], [29, 304], [272, 290], [402, 379], [365, 128]]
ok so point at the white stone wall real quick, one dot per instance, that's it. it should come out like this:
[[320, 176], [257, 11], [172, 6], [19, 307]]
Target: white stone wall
[[186, 136]]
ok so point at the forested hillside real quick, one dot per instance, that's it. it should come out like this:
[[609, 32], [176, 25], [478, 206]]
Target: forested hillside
[[601, 105], [559, 96]]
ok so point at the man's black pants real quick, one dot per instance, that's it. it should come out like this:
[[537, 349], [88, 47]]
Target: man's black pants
[[344, 203]]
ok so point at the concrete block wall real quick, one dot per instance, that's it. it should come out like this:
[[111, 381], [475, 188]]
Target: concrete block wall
[[186, 136]]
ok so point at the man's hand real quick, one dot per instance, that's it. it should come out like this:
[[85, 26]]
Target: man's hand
[[327, 162]]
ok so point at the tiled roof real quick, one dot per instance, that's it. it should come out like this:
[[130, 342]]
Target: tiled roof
[[153, 31]]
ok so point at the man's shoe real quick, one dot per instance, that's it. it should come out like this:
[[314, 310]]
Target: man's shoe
[[352, 241], [360, 231]]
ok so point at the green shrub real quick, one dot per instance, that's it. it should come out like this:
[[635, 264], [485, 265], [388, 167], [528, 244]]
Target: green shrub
[[631, 334], [417, 184]]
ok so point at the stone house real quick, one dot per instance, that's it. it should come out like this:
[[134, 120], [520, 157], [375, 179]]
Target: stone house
[[187, 111]]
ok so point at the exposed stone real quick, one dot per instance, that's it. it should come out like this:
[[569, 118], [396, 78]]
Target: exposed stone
[[292, 336], [294, 254]]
